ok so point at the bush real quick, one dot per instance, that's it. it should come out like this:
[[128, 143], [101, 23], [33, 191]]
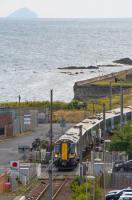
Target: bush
[[79, 191]]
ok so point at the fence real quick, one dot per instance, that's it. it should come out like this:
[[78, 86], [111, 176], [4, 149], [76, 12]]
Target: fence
[[23, 124], [117, 180], [21, 120]]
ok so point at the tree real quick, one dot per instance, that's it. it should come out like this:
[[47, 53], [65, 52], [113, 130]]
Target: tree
[[122, 140]]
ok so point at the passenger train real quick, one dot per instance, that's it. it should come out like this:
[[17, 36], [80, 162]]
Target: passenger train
[[67, 147]]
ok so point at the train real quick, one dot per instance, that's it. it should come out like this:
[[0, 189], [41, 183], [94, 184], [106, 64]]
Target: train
[[67, 147]]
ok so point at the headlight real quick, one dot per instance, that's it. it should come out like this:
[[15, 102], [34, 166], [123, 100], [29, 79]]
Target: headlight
[[56, 156]]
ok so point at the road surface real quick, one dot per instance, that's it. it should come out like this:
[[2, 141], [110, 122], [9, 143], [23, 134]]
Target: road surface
[[9, 148]]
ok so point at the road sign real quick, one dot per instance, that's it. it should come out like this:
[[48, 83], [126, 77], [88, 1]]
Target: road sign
[[27, 119]]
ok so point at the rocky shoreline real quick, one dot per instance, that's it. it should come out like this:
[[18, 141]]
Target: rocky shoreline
[[116, 63]]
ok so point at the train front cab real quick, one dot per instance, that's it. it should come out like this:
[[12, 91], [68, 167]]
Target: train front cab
[[65, 155]]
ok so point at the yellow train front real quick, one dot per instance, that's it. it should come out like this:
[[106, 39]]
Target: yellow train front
[[65, 156]]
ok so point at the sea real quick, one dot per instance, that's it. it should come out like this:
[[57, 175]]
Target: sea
[[31, 51]]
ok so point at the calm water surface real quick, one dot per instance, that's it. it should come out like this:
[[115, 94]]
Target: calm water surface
[[31, 52]]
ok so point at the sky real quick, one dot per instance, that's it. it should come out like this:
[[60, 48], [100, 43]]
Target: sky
[[70, 8]]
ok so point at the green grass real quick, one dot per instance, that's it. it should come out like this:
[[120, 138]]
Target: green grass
[[107, 83], [70, 111]]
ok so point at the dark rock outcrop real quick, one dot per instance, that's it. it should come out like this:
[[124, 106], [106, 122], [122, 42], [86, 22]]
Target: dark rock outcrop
[[81, 67], [72, 67], [124, 61], [92, 67]]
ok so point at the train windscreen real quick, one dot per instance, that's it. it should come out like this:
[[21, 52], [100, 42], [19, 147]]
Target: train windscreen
[[57, 148], [71, 148]]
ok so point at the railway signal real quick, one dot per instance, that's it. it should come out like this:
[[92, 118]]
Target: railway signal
[[14, 164]]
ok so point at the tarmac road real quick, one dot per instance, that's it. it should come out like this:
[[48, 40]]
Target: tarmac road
[[9, 148]]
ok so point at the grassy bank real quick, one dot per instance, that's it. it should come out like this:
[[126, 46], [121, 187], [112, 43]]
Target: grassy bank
[[113, 84], [73, 111]]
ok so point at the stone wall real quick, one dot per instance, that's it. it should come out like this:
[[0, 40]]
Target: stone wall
[[87, 89], [95, 91]]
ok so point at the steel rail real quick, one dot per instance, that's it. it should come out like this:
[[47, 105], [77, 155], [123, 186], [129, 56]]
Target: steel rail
[[43, 191], [59, 189]]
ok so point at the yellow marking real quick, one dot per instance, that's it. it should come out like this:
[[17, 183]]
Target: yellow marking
[[64, 151], [71, 155]]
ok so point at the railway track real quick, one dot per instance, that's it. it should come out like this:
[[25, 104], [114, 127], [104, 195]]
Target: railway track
[[38, 191], [41, 191]]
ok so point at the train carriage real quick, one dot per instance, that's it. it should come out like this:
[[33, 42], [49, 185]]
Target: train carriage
[[67, 147]]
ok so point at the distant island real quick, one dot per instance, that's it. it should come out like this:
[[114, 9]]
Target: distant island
[[23, 13]]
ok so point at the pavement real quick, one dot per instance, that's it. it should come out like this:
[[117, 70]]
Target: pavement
[[6, 197], [9, 148]]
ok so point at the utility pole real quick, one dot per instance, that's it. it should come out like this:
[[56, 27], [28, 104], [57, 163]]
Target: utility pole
[[51, 121], [104, 121], [19, 103], [50, 180], [121, 106], [104, 137], [50, 169], [81, 166], [110, 102]]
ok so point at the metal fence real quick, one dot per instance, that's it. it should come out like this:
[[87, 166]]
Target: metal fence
[[26, 121], [118, 180], [21, 120]]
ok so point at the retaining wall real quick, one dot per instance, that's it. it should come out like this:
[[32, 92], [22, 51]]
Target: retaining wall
[[87, 89]]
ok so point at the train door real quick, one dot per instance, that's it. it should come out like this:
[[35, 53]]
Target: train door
[[64, 150]]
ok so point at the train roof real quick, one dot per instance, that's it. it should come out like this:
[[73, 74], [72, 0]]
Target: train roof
[[72, 134]]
